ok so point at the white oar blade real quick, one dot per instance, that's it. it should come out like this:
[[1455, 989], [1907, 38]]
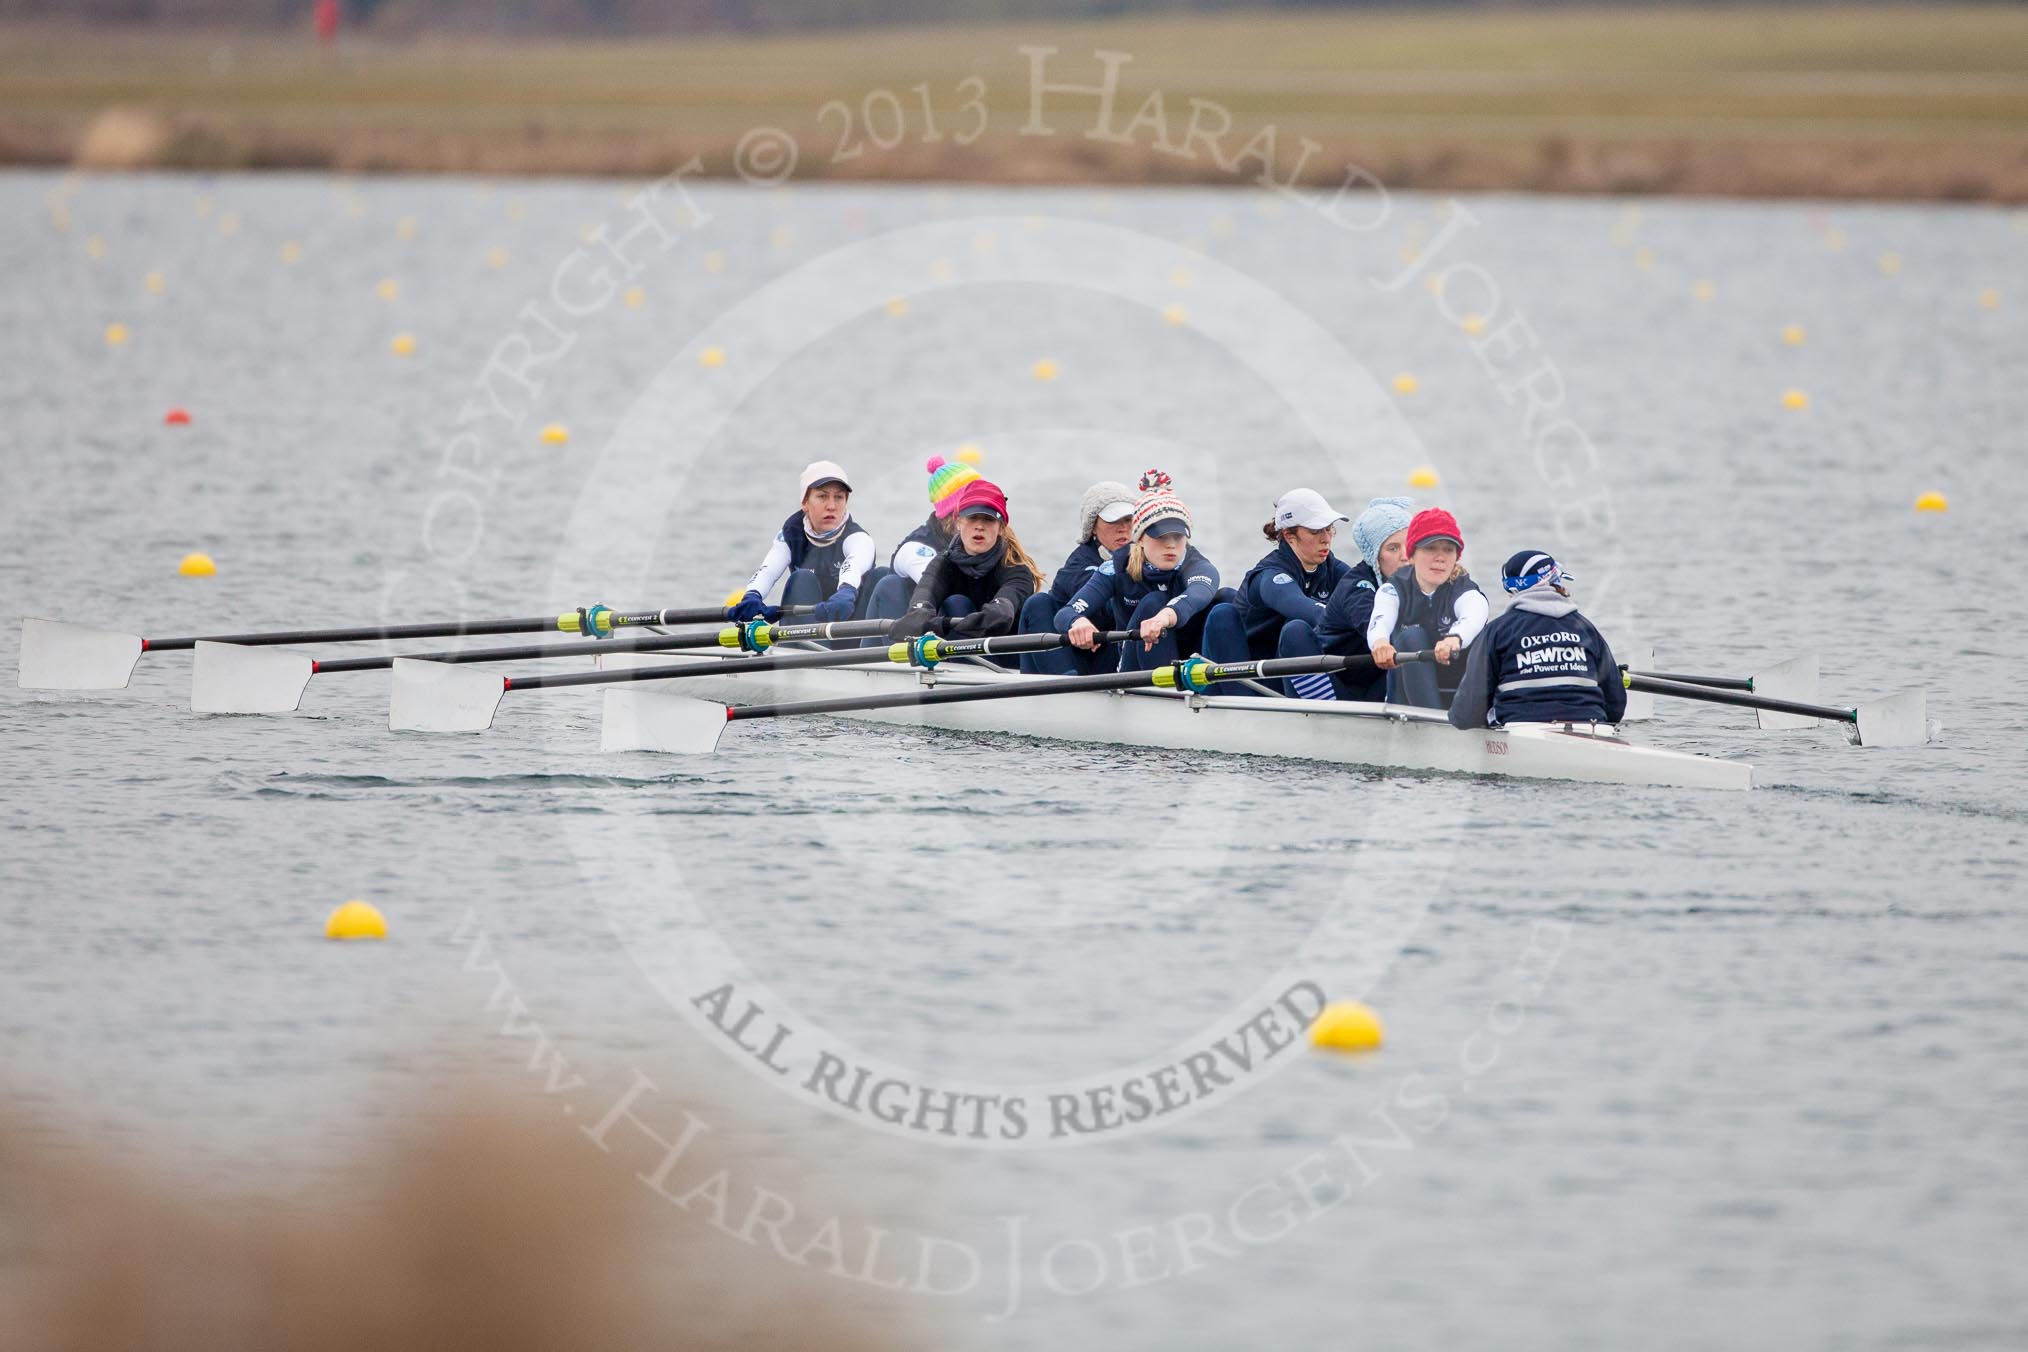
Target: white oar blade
[[1795, 680], [641, 720], [59, 656], [441, 697], [1640, 704], [1899, 720], [228, 679]]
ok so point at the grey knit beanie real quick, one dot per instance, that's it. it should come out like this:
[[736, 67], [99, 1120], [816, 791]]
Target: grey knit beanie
[[1095, 499]]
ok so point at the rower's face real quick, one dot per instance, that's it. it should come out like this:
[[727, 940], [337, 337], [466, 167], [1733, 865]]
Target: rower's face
[[825, 506], [1434, 560], [1311, 547], [980, 533], [1164, 551], [1112, 536], [1393, 552]]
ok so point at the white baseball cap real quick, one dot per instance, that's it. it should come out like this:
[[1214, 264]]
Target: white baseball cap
[[1116, 511], [1306, 507], [824, 472]]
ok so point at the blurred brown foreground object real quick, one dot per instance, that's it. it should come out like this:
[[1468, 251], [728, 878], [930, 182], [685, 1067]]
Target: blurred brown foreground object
[[487, 1226]]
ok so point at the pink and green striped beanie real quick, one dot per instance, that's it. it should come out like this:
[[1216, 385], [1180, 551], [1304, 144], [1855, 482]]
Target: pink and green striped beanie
[[946, 477]]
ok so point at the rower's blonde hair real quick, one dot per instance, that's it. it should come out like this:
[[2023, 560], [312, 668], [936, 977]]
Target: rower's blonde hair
[[1137, 558], [1017, 555]]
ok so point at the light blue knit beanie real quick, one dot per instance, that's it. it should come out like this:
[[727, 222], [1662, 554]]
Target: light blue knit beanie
[[1382, 518]]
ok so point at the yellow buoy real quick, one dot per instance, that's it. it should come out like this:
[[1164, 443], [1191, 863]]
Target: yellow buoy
[[1989, 299], [1422, 478], [1406, 384], [496, 257], [635, 297], [388, 289], [1473, 324], [356, 920], [1044, 369], [1347, 1026], [555, 434], [155, 283], [1704, 290], [1175, 314], [197, 565], [896, 307], [970, 454], [711, 356], [1932, 501], [292, 253], [116, 334], [1793, 334], [1795, 399], [403, 345]]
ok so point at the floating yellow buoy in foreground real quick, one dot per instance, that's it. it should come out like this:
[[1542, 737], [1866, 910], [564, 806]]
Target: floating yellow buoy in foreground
[[1473, 324], [1347, 1026], [1422, 478], [1793, 334], [1932, 502], [1795, 399], [555, 434], [153, 281], [116, 334], [1406, 384], [1989, 298], [1044, 369], [1890, 263], [970, 454], [1704, 290], [711, 356], [403, 345], [388, 289], [356, 920], [1175, 314], [197, 565], [897, 307]]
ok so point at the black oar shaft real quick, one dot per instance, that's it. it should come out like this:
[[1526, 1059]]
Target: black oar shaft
[[1709, 682], [560, 622], [525, 652], [1662, 685]]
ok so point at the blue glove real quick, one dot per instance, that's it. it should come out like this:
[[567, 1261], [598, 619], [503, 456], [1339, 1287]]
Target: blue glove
[[751, 607], [839, 607]]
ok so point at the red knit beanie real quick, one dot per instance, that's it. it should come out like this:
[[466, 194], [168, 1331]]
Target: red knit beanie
[[1434, 523]]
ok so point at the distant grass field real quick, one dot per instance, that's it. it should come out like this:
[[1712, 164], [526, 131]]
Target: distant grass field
[[1917, 102]]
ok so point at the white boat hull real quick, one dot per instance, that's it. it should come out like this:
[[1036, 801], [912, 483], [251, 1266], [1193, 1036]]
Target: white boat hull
[[1381, 736]]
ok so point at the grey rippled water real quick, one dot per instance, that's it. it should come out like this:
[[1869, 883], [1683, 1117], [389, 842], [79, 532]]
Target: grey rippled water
[[1664, 1068]]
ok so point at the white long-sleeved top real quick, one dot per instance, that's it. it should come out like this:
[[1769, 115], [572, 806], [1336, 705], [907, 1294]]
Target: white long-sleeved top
[[1471, 609], [857, 558]]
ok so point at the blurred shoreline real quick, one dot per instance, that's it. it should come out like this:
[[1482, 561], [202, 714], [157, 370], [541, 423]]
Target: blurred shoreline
[[1833, 102]]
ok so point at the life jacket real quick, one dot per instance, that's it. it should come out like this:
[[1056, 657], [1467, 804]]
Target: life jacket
[[823, 560]]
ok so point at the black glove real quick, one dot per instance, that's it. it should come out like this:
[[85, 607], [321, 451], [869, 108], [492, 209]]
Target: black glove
[[997, 616], [914, 623]]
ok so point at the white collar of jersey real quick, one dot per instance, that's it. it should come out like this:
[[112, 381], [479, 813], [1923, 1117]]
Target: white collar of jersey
[[817, 539]]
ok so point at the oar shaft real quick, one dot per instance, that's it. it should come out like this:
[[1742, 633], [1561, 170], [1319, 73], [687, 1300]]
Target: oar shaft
[[1708, 682], [527, 652], [1662, 685], [565, 622]]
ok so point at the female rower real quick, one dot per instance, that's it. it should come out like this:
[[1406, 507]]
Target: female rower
[[1105, 525], [1380, 534], [823, 551], [974, 589], [1281, 601], [1429, 603], [1159, 584], [923, 544], [1541, 662]]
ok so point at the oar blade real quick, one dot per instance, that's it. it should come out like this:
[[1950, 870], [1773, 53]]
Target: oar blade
[[642, 720], [59, 656], [228, 679], [1795, 680], [436, 697], [1898, 720]]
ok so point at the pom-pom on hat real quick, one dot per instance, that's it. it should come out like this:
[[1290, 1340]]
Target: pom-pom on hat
[[1382, 518], [946, 478], [1434, 523], [1159, 511]]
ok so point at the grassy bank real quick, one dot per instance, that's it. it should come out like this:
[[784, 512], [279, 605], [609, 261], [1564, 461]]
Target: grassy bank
[[1874, 102]]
